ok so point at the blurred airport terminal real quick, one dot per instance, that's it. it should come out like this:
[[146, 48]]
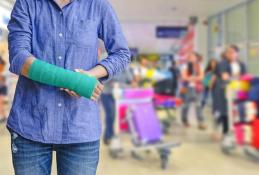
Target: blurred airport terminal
[[188, 104]]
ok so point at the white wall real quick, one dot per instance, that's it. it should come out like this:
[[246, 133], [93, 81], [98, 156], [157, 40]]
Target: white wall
[[143, 36]]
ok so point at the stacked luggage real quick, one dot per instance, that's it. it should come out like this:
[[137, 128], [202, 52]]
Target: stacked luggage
[[243, 105]]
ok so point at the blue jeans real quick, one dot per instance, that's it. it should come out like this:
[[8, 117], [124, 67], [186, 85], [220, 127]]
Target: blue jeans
[[109, 108], [34, 158], [188, 98], [205, 97]]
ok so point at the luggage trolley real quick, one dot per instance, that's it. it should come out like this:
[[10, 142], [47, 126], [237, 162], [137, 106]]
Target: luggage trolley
[[169, 104], [240, 132], [144, 126]]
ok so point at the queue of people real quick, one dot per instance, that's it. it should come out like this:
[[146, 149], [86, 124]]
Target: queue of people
[[198, 84]]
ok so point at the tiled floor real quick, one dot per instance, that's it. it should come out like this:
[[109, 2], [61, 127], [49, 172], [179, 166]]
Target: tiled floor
[[198, 155]]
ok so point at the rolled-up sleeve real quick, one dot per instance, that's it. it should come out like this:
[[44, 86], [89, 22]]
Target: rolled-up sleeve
[[115, 43], [19, 38]]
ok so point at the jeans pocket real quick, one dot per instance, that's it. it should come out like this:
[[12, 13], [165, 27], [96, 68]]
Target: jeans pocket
[[14, 137]]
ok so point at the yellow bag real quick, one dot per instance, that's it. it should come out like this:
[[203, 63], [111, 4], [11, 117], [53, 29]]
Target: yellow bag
[[239, 85]]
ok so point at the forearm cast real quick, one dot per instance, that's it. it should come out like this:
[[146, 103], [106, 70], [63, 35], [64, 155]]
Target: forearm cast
[[49, 74]]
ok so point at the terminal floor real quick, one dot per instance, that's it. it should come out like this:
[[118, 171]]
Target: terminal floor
[[198, 155]]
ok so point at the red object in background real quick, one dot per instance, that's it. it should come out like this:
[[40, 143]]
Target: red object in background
[[123, 124], [187, 44], [247, 77], [255, 133], [239, 133]]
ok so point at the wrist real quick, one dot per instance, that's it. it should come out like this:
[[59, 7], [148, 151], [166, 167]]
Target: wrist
[[92, 73]]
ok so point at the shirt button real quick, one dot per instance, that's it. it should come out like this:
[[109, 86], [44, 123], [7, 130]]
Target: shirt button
[[59, 105], [61, 12], [60, 57], [60, 34]]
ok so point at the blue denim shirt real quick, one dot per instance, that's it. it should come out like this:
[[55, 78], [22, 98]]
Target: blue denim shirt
[[68, 38]]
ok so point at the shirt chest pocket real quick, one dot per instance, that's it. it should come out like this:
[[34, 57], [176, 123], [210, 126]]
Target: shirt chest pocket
[[83, 33]]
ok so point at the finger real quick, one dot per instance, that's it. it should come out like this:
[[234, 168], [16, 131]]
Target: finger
[[97, 91], [69, 92], [100, 87], [62, 89], [74, 94], [96, 96], [66, 90]]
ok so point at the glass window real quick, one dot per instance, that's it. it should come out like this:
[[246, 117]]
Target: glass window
[[253, 60], [253, 20], [215, 35], [236, 25]]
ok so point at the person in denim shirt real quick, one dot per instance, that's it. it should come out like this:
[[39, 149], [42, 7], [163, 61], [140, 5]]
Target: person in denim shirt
[[45, 118]]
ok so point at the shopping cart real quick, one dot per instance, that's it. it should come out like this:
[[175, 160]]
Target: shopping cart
[[144, 126]]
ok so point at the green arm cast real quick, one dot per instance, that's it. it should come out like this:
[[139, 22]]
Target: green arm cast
[[49, 74]]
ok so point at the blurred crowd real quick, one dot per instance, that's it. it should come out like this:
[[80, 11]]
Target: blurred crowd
[[189, 80]]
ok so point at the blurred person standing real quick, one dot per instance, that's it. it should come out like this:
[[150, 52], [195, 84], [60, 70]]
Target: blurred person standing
[[140, 71], [230, 68], [3, 91], [108, 102], [124, 80], [44, 118], [175, 77], [216, 93], [192, 75], [144, 65], [207, 81]]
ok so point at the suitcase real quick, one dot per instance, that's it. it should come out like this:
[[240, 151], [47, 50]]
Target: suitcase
[[138, 93], [253, 94], [131, 94], [239, 133], [146, 124], [255, 133], [123, 124]]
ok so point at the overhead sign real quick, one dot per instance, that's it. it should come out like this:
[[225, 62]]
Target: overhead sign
[[170, 32]]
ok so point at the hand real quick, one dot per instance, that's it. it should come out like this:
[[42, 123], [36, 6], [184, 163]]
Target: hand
[[71, 93], [98, 89]]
